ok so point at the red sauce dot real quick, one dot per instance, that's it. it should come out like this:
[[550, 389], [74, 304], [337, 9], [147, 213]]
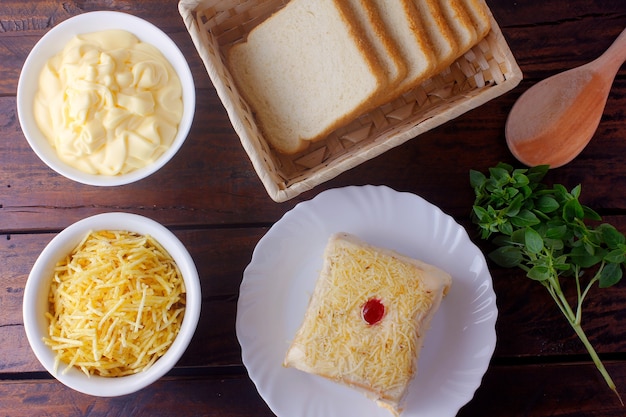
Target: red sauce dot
[[373, 311]]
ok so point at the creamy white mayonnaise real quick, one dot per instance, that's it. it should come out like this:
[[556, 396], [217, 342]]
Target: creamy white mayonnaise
[[109, 103]]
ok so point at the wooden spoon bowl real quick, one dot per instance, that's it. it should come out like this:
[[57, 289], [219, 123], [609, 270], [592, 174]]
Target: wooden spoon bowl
[[553, 121]]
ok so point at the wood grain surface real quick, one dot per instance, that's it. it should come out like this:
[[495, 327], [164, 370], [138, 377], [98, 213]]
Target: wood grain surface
[[211, 198]]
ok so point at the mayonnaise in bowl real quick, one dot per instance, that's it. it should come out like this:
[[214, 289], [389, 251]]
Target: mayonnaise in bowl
[[108, 103], [106, 156]]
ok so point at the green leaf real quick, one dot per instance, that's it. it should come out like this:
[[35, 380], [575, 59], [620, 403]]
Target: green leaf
[[506, 228], [477, 179], [505, 166], [511, 192], [502, 240], [525, 218], [618, 256], [561, 263], [591, 214], [589, 247], [500, 175], [507, 256], [611, 274], [554, 244], [518, 236], [537, 173], [539, 273], [573, 210], [547, 204], [560, 192], [481, 213], [515, 205], [519, 178], [526, 191], [582, 258], [533, 240], [611, 236], [557, 232]]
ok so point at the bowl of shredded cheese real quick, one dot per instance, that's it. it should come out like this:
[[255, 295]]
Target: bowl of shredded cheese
[[111, 304], [105, 98]]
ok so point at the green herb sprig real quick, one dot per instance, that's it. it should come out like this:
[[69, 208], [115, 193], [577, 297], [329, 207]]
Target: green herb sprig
[[543, 231]]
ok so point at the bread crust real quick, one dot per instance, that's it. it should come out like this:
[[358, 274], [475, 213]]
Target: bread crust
[[479, 14], [439, 33], [385, 48], [461, 24], [407, 29]]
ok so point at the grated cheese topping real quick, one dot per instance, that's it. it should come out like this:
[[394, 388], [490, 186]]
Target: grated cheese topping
[[117, 302], [336, 342]]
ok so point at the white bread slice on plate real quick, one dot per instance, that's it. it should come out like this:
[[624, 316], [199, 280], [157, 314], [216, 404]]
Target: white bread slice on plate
[[406, 28], [439, 32], [460, 22], [383, 44], [479, 14], [366, 319], [305, 71]]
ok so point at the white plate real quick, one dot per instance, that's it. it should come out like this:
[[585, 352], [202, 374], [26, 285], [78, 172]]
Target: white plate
[[281, 275]]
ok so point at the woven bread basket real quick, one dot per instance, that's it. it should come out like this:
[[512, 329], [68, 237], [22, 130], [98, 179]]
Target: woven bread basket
[[488, 70]]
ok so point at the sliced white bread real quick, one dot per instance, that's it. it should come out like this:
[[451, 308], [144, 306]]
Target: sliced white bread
[[439, 33], [405, 26], [305, 71], [479, 13], [384, 46], [459, 21]]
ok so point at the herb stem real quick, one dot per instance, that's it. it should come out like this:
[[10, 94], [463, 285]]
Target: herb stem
[[575, 321], [581, 298], [562, 303], [596, 359]]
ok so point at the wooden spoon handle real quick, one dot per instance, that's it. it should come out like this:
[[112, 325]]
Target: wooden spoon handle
[[613, 58]]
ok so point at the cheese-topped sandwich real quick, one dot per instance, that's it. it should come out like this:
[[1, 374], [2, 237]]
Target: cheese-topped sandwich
[[366, 319]]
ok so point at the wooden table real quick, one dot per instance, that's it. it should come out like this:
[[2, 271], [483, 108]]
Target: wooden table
[[211, 198]]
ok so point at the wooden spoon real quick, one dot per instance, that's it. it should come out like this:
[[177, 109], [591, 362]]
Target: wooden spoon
[[553, 121]]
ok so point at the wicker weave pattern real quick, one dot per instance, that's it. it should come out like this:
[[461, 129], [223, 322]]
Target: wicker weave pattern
[[485, 72]]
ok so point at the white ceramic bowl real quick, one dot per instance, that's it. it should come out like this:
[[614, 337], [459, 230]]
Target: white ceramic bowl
[[52, 43], [35, 303]]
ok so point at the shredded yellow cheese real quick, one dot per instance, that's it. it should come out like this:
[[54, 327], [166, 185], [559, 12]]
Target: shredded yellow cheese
[[116, 304]]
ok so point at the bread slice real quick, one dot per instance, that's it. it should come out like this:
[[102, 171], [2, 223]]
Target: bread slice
[[460, 22], [348, 337], [305, 71], [439, 32], [479, 14], [404, 25], [384, 46]]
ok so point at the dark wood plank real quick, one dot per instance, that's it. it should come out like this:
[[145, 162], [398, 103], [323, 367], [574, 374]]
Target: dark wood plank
[[200, 396], [571, 390], [513, 391]]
